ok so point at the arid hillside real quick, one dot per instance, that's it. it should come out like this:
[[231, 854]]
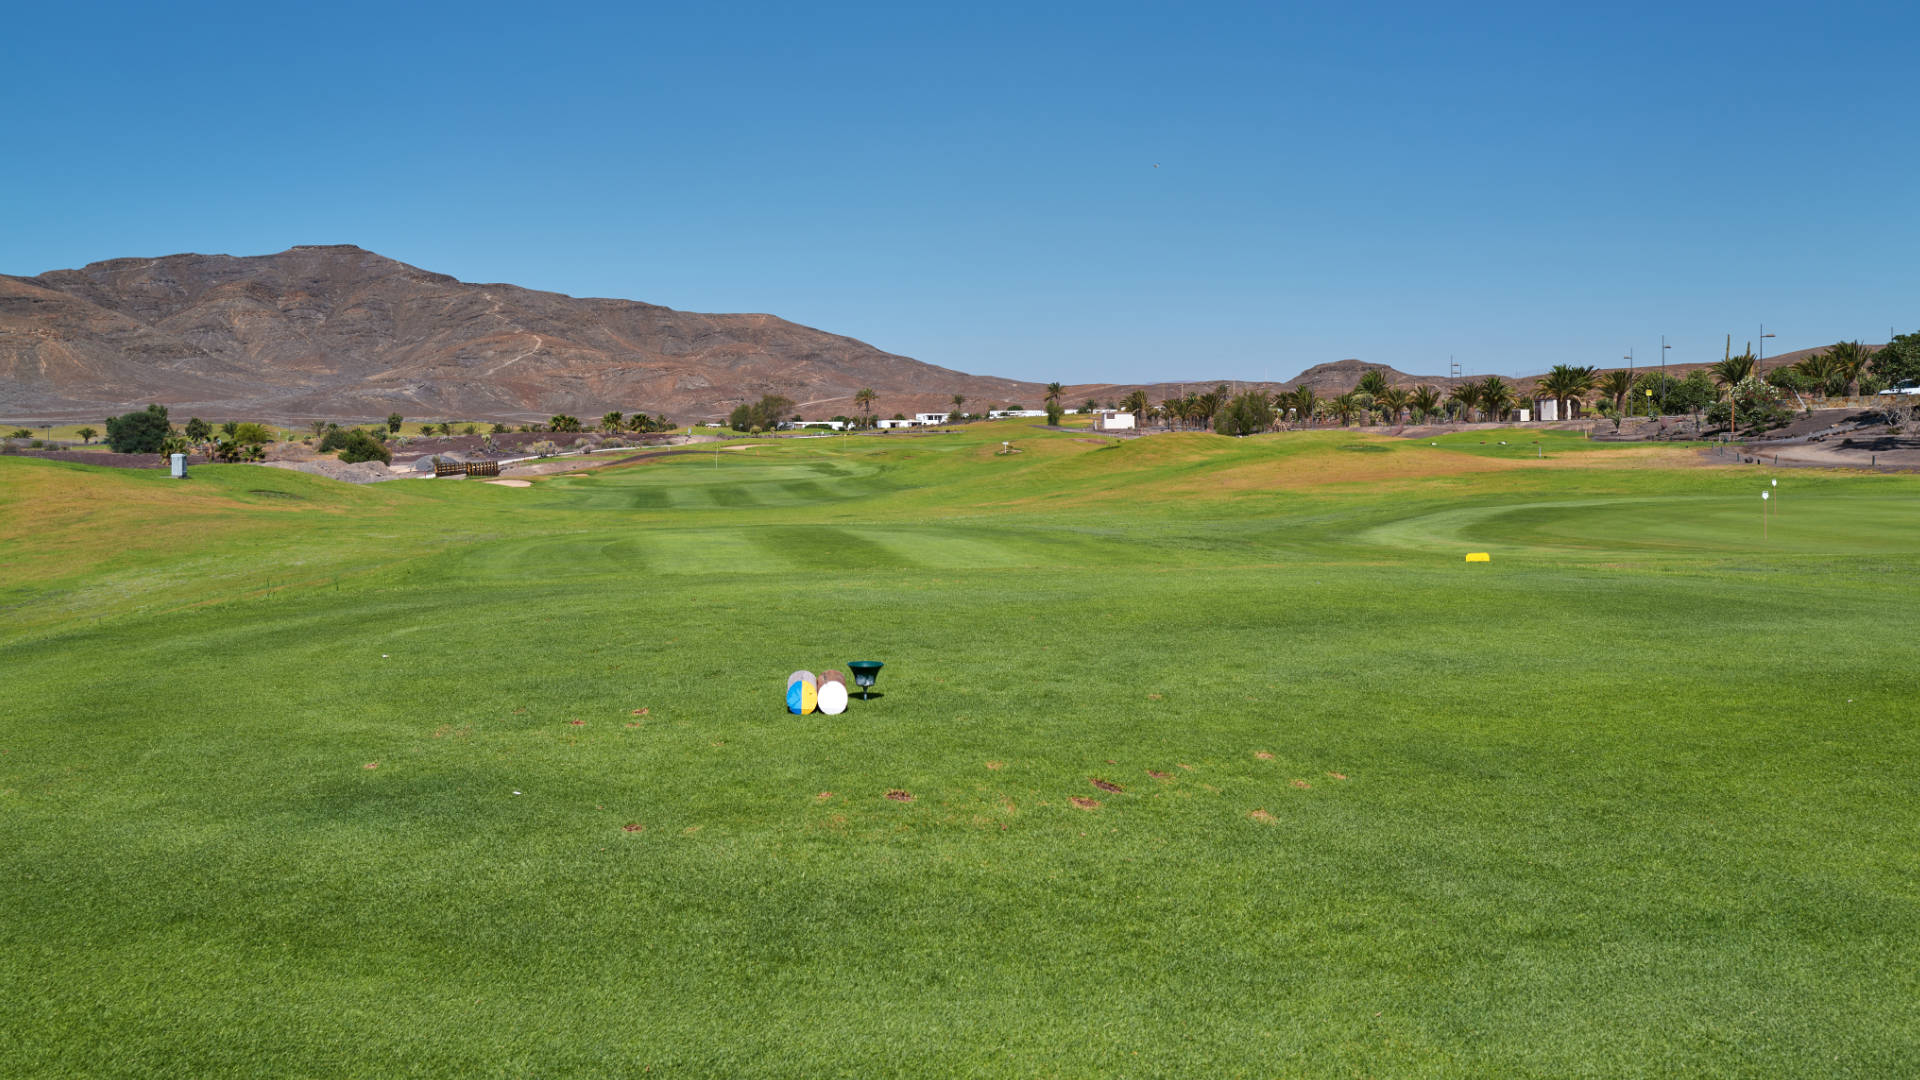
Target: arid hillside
[[338, 332]]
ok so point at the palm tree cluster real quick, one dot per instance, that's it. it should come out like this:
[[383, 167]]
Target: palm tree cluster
[[1836, 370], [1194, 411], [1492, 397]]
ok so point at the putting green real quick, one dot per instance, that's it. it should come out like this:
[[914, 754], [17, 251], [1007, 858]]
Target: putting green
[[1191, 756]]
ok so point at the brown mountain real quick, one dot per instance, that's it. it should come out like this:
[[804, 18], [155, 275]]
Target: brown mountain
[[337, 331], [342, 333]]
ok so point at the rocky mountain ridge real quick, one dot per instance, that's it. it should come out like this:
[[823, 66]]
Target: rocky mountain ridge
[[339, 332]]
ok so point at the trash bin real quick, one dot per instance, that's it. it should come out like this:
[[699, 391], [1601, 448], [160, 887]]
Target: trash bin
[[179, 466]]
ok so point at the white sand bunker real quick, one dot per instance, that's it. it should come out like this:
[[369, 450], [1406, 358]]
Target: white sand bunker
[[511, 483]]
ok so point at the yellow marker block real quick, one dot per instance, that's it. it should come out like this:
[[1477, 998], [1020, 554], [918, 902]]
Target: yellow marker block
[[1479, 556], [809, 697]]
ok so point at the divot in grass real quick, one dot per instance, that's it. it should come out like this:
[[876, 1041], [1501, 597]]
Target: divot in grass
[[1084, 803]]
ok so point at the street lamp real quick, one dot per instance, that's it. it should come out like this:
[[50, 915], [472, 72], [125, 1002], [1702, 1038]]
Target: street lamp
[[1629, 359], [1663, 373], [1763, 348]]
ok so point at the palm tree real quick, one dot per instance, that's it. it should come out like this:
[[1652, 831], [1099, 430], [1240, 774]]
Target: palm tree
[[1616, 385], [1425, 401], [1567, 383], [1170, 411], [1363, 402], [1393, 399], [1208, 405], [1054, 390], [1496, 397], [1305, 403], [1345, 406], [958, 400], [1136, 403], [1849, 359], [611, 421], [86, 435], [1468, 395], [1823, 373], [1734, 369], [1373, 383], [864, 398]]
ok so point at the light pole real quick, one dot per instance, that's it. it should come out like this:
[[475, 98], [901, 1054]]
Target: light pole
[[1763, 349], [1663, 373], [1629, 359]]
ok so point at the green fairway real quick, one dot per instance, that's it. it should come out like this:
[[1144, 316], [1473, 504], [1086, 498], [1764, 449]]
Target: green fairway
[[441, 778]]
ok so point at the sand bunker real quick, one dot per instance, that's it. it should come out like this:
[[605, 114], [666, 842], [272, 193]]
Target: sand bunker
[[511, 483]]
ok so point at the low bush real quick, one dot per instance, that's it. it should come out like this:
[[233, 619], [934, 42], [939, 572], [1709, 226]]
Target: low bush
[[357, 445]]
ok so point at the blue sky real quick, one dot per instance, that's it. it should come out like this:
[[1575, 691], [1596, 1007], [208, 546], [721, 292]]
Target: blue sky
[[1514, 185]]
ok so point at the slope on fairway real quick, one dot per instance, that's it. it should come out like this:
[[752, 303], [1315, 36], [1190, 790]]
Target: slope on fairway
[[1635, 797]]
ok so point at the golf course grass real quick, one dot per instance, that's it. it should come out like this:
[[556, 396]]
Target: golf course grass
[[1208, 757]]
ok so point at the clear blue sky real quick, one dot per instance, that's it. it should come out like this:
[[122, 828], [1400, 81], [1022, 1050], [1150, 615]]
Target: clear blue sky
[[975, 185]]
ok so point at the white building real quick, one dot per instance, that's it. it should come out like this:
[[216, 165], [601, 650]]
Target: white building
[[1113, 421]]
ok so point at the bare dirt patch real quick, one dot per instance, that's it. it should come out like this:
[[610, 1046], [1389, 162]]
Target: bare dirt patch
[[1263, 817], [1104, 785], [1085, 803], [1263, 755], [511, 483], [900, 796], [1158, 775], [1302, 784], [633, 826], [996, 764]]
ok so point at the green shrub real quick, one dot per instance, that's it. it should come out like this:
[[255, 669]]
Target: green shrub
[[360, 446], [1247, 414], [141, 432]]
